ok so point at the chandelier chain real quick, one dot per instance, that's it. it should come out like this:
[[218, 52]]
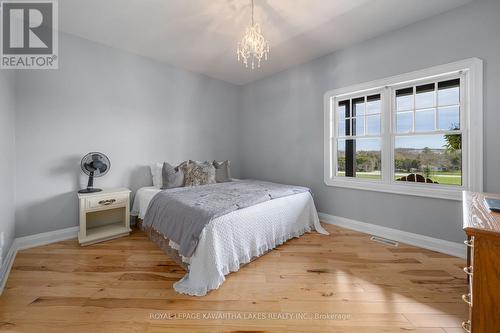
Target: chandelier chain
[[252, 14]]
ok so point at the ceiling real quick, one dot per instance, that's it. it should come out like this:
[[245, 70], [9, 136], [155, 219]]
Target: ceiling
[[201, 35]]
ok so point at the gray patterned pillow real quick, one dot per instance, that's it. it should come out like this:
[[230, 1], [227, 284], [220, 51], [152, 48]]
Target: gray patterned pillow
[[197, 173], [172, 177], [222, 171]]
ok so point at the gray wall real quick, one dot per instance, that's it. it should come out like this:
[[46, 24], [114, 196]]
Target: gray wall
[[133, 109], [8, 159], [282, 116], [137, 111]]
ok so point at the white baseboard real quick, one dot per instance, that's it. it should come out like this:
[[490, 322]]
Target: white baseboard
[[45, 238], [430, 243], [27, 242], [6, 266]]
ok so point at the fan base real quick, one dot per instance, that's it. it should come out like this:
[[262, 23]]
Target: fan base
[[90, 190]]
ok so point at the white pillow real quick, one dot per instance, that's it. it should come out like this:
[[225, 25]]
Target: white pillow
[[156, 174]]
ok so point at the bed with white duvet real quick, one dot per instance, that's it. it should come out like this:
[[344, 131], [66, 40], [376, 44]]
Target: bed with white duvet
[[234, 239]]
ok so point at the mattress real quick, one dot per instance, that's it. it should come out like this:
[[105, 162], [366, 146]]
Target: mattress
[[234, 239], [141, 201]]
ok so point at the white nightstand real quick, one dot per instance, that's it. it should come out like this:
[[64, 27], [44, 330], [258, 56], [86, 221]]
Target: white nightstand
[[104, 215]]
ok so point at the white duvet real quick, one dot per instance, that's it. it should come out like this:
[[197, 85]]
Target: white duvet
[[235, 238]]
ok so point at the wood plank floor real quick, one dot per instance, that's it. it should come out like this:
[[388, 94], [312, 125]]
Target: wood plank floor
[[125, 285]]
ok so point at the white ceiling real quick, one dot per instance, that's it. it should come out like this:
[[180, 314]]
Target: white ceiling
[[201, 35]]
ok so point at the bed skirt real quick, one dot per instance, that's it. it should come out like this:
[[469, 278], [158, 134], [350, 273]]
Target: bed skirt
[[163, 244]]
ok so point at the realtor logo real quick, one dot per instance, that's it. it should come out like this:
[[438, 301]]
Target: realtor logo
[[29, 34]]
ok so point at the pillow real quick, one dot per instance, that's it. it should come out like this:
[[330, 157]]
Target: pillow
[[222, 171], [156, 174], [172, 176], [197, 173]]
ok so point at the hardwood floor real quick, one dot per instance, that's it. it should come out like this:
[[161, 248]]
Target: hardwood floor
[[125, 285]]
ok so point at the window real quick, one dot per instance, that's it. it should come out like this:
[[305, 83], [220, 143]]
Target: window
[[418, 133], [358, 141], [428, 133]]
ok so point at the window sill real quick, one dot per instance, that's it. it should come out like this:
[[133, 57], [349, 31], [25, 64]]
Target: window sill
[[415, 189]]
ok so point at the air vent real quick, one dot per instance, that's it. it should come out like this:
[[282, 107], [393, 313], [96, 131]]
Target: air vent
[[384, 241]]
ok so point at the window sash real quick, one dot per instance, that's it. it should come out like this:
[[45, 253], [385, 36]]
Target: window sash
[[356, 117], [436, 108], [337, 154], [392, 111]]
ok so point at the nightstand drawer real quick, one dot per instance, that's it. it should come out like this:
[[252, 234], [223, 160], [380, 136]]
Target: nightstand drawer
[[104, 201]]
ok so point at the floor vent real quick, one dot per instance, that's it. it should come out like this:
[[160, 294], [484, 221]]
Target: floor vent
[[384, 241]]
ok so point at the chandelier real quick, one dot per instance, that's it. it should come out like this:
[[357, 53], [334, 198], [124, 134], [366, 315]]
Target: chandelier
[[253, 46]]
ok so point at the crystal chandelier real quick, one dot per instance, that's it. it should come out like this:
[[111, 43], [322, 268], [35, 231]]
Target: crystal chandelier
[[253, 46]]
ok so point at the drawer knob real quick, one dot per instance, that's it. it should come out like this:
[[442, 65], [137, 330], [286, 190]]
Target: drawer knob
[[469, 243], [468, 270], [466, 326], [467, 299], [107, 202]]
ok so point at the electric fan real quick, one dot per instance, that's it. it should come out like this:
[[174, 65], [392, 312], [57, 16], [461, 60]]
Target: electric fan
[[94, 165]]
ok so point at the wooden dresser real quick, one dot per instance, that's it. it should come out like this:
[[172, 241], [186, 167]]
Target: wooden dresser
[[483, 263]]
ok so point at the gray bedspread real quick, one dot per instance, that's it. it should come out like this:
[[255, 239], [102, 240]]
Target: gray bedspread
[[180, 214]]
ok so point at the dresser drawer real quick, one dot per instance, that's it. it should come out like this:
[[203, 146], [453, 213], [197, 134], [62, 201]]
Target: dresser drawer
[[104, 201]]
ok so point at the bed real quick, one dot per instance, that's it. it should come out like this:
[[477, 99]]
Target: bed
[[233, 239]]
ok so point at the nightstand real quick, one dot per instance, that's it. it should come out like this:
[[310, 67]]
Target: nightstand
[[104, 215]]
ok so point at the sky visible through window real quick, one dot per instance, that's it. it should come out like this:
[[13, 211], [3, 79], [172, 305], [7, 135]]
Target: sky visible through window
[[432, 107]]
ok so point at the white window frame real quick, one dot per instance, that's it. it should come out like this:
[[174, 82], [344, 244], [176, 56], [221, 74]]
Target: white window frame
[[471, 118]]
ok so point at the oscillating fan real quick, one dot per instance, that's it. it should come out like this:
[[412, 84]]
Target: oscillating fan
[[94, 165]]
